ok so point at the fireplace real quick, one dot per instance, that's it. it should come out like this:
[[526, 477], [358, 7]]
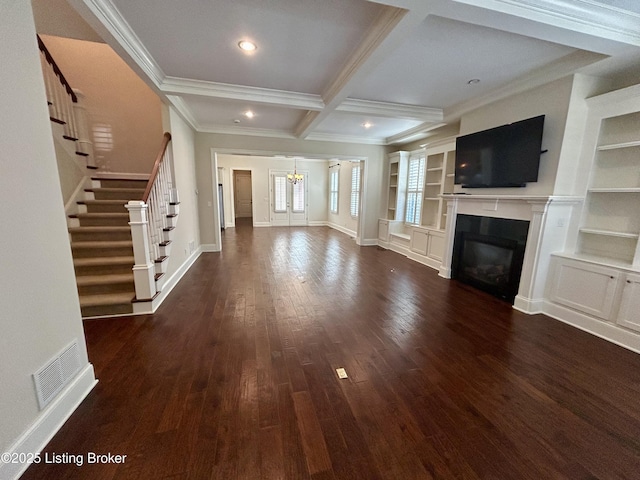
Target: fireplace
[[488, 253]]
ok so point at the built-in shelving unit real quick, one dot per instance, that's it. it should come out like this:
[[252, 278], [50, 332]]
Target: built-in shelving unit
[[439, 175], [397, 185], [610, 226]]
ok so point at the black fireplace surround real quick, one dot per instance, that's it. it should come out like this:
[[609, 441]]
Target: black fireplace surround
[[488, 253]]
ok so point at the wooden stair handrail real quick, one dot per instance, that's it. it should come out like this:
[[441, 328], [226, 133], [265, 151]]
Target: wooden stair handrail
[[56, 69], [156, 166]]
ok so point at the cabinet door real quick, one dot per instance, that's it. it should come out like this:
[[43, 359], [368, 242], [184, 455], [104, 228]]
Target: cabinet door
[[383, 230], [436, 246], [419, 241], [585, 287], [629, 315]]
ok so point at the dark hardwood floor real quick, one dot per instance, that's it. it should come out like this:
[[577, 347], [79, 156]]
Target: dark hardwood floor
[[234, 377]]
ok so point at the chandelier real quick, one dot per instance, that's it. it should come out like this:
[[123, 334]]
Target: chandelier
[[295, 177]]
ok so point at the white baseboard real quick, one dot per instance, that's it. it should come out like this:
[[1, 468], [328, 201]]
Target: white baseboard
[[424, 260], [36, 437], [262, 224], [528, 305], [173, 280], [600, 328], [209, 247], [344, 230]]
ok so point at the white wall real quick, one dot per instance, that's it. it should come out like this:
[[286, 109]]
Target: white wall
[[317, 184], [40, 307], [343, 219], [187, 231], [372, 173], [116, 100]]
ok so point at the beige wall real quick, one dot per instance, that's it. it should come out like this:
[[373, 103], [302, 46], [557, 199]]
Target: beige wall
[[206, 143], [551, 100], [260, 166], [40, 307], [119, 104], [343, 218]]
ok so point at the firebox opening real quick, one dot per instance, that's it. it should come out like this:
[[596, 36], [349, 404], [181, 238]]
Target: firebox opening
[[488, 254]]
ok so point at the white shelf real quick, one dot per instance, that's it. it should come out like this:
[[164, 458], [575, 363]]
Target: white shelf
[[431, 199], [615, 190], [609, 233], [434, 169], [433, 184], [451, 175], [615, 146]]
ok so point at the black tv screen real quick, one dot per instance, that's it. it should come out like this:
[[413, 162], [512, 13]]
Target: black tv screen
[[506, 156]]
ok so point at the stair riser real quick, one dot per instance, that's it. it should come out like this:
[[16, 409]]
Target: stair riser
[[97, 208], [103, 310], [104, 222], [121, 287], [124, 196], [102, 252], [109, 183], [103, 269], [100, 236]]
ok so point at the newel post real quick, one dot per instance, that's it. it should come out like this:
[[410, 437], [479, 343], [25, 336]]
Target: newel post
[[144, 269]]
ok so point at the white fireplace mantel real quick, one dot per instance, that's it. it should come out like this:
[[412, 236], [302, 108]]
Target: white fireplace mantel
[[549, 218]]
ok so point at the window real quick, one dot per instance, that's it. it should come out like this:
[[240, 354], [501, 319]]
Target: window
[[280, 193], [333, 190], [415, 185], [298, 197], [355, 190]]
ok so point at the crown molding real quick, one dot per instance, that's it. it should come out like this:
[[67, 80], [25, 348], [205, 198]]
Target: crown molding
[[247, 131], [415, 133], [391, 110], [186, 86], [330, 137], [111, 18], [185, 112], [585, 16]]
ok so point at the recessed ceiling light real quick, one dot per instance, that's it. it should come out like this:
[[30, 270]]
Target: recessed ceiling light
[[249, 114], [473, 81], [247, 46], [367, 125]]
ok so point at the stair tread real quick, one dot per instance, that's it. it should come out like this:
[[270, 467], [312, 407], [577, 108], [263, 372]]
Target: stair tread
[[102, 215], [114, 189], [101, 202], [102, 244], [98, 229], [95, 261], [106, 179], [96, 300], [84, 280]]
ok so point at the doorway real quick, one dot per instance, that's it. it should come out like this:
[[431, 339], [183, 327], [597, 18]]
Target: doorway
[[242, 196], [289, 203]]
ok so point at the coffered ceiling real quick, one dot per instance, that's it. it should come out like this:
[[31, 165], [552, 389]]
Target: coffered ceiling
[[380, 72]]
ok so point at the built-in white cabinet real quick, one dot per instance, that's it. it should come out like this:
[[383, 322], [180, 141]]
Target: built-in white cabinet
[[629, 315], [586, 287]]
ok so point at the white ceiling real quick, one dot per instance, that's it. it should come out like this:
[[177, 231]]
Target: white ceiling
[[324, 68]]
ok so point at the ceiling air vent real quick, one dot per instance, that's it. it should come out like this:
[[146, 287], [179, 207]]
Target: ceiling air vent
[[52, 378]]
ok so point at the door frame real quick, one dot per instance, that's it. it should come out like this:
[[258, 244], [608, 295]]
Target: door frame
[[232, 192], [364, 182]]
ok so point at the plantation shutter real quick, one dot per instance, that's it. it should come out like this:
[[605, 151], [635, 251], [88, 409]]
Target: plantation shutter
[[279, 193], [355, 190], [298, 197], [415, 185]]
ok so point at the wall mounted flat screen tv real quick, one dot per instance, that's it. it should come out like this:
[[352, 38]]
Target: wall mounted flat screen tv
[[506, 156]]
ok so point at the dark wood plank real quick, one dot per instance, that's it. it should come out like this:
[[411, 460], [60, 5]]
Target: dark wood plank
[[234, 377]]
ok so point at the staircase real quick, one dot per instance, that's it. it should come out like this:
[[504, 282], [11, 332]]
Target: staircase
[[102, 247], [121, 228]]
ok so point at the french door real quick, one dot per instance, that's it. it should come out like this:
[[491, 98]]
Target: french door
[[288, 201]]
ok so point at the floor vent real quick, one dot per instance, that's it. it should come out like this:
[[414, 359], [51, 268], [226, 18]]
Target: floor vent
[[52, 378]]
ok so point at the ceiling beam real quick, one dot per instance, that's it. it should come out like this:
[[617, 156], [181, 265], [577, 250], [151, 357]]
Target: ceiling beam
[[390, 29]]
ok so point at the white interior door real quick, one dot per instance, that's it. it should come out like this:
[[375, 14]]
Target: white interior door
[[288, 201]]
